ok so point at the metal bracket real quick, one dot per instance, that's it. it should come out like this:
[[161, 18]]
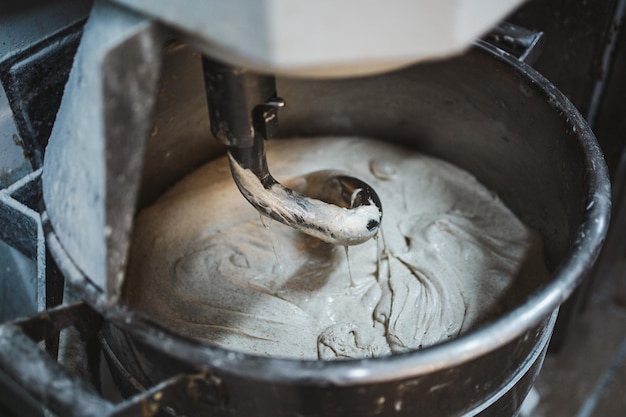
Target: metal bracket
[[68, 395], [524, 44]]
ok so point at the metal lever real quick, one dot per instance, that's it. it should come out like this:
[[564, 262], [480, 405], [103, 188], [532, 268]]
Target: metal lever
[[243, 110]]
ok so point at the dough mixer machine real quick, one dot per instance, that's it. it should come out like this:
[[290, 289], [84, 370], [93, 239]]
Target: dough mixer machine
[[132, 52]]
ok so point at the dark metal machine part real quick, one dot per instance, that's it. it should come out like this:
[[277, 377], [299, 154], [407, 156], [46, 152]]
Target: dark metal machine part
[[35, 80], [149, 193], [584, 56]]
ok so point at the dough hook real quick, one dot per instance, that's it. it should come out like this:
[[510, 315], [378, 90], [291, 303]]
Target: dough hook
[[243, 107], [329, 205]]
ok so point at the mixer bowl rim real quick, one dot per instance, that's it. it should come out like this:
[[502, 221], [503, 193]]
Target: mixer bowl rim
[[464, 348]]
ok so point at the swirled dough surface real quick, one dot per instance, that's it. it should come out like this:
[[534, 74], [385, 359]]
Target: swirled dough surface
[[450, 256]]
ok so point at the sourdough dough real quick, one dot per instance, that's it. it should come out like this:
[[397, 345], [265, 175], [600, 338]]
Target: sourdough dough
[[449, 256]]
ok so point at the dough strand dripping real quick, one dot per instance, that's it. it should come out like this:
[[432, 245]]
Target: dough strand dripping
[[266, 224], [352, 284]]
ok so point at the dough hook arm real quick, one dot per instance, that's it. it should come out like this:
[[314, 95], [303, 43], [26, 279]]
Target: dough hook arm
[[243, 108]]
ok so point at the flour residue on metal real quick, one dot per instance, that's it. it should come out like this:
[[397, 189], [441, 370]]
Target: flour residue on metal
[[450, 256]]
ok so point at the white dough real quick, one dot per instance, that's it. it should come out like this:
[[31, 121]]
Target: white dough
[[449, 256]]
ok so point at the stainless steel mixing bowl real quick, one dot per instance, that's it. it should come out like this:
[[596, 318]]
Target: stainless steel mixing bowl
[[483, 111]]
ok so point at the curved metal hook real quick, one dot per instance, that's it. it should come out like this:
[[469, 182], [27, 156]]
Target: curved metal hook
[[328, 205]]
